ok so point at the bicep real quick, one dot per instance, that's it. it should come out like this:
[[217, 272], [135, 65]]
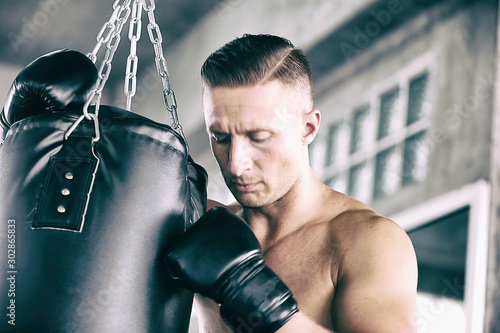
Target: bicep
[[377, 293]]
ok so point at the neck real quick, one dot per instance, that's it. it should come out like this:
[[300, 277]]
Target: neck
[[273, 222]]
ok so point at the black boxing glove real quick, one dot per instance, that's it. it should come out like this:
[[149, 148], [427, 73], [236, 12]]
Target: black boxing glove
[[220, 258], [56, 81]]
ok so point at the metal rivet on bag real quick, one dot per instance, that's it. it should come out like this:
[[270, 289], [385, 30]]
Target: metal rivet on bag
[[65, 191], [61, 209], [69, 175]]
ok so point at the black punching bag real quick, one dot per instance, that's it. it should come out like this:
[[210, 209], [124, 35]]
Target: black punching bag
[[85, 218]]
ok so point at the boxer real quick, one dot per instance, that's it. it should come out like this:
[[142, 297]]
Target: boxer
[[348, 268]]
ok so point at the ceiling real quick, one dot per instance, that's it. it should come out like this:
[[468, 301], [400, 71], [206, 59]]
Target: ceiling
[[30, 28]]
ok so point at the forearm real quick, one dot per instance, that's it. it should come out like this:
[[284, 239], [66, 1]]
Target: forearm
[[301, 323]]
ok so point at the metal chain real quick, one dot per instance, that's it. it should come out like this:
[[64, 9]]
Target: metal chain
[[110, 34], [134, 34], [161, 66], [107, 29]]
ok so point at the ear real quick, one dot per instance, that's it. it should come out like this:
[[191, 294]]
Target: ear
[[311, 122]]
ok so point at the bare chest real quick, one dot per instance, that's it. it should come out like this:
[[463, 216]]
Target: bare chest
[[304, 263]]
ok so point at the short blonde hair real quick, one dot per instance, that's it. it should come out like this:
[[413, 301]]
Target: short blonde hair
[[256, 59]]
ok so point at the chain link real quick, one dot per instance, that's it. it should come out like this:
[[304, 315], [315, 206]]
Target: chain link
[[108, 29], [150, 7], [155, 36], [109, 34], [134, 34]]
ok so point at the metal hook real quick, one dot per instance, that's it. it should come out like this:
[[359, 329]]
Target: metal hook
[[72, 128], [96, 128], [97, 131]]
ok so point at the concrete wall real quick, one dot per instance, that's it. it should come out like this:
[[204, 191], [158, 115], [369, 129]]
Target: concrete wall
[[457, 44]]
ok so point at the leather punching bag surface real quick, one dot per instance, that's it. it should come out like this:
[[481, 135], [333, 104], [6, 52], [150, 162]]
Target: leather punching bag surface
[[85, 228]]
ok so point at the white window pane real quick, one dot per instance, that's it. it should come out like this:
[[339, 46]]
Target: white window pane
[[338, 144], [391, 113], [418, 105], [362, 130], [360, 182], [317, 154], [416, 159], [388, 172]]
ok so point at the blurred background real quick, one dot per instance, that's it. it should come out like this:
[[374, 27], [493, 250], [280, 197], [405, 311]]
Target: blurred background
[[410, 105]]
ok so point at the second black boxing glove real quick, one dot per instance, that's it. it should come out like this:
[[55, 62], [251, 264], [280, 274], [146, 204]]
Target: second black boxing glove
[[220, 258], [53, 82]]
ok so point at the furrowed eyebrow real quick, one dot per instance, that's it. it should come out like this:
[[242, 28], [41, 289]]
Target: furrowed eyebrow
[[217, 133], [219, 137], [247, 132], [261, 131]]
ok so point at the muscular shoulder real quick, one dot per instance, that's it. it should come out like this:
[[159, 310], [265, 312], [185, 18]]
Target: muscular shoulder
[[369, 234], [355, 221], [362, 224], [376, 268], [366, 240]]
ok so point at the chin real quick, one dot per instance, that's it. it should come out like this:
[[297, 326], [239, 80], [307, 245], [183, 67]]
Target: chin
[[247, 200], [247, 203]]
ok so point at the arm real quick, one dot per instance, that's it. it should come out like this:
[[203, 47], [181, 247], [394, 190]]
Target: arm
[[301, 323], [220, 258], [376, 289], [376, 285]]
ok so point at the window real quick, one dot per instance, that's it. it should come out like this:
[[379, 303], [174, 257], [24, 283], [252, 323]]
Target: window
[[381, 146], [361, 129], [360, 179], [450, 237], [387, 172], [415, 158], [418, 107], [337, 149], [391, 113], [441, 247]]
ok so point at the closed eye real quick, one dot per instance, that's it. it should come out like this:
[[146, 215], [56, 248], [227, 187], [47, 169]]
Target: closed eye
[[259, 136], [220, 138]]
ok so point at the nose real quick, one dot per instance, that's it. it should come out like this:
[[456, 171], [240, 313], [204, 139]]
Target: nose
[[240, 159]]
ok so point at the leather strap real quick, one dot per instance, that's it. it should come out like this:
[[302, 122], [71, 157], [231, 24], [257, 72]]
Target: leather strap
[[65, 193]]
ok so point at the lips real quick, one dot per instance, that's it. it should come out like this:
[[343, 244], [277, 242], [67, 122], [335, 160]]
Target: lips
[[245, 187]]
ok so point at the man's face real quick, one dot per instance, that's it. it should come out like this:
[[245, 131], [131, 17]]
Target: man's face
[[256, 138]]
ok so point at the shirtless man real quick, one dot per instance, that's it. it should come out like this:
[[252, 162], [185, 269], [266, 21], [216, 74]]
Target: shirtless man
[[348, 268]]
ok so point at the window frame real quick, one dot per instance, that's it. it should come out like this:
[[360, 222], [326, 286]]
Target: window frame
[[476, 196], [372, 96]]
